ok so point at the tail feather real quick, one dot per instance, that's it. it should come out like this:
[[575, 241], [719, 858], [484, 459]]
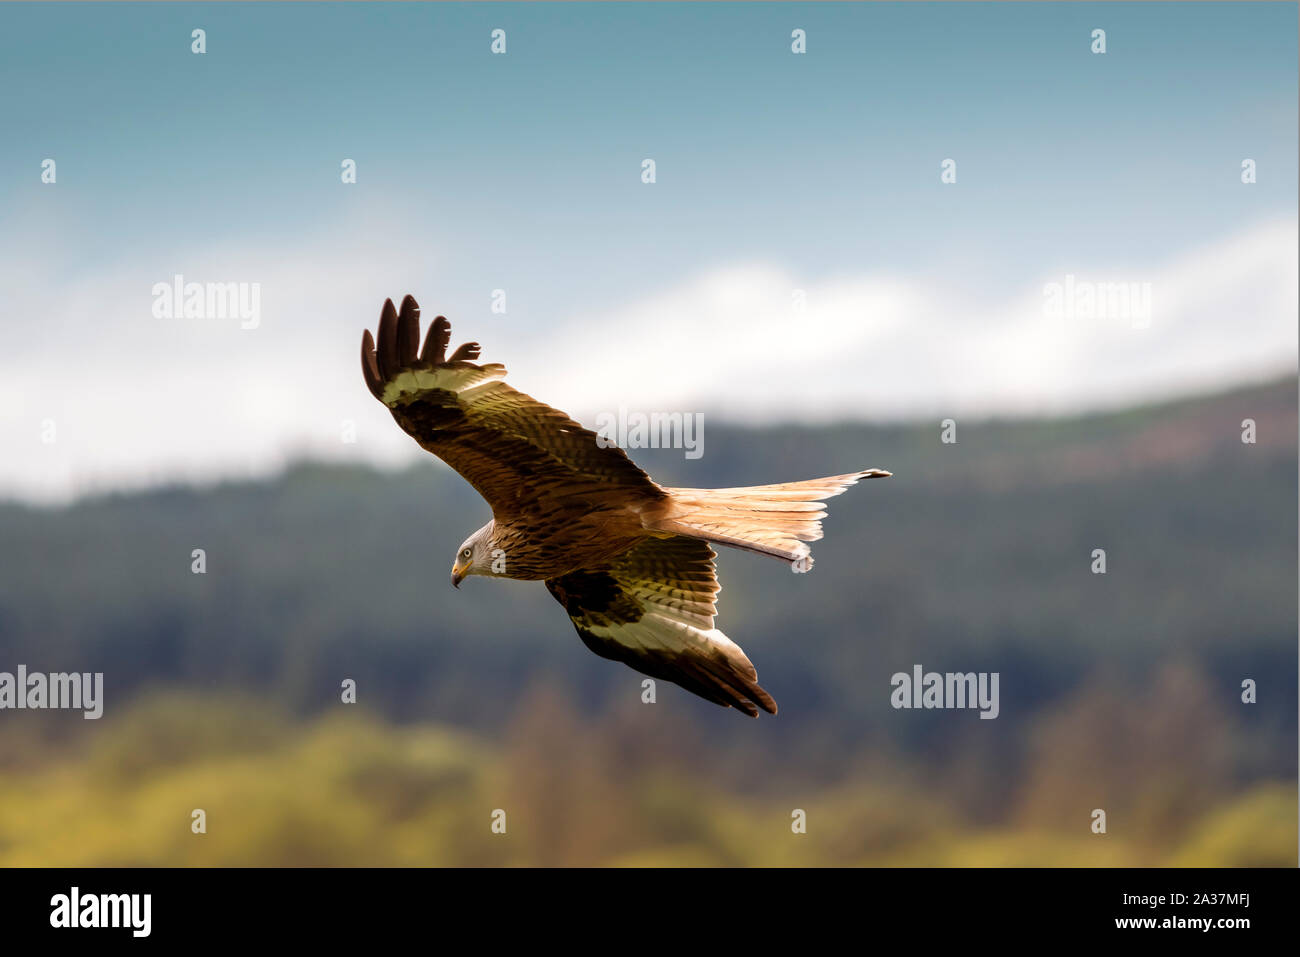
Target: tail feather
[[776, 520]]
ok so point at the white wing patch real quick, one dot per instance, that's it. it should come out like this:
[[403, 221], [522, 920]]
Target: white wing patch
[[659, 632], [462, 379]]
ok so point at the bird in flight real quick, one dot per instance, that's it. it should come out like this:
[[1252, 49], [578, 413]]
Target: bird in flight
[[630, 560]]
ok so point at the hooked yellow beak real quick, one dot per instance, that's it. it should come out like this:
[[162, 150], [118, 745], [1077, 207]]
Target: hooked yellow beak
[[458, 573]]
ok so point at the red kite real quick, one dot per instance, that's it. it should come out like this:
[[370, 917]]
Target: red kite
[[630, 560]]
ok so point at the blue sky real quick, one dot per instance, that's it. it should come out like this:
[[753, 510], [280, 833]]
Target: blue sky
[[521, 171], [827, 160]]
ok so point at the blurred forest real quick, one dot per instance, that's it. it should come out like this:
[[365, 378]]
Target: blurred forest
[[1119, 691]]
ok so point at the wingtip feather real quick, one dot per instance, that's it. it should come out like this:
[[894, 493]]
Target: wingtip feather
[[408, 331], [435, 343], [389, 362], [370, 366], [470, 350]]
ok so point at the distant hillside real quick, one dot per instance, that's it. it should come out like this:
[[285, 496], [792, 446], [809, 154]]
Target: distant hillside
[[975, 556]]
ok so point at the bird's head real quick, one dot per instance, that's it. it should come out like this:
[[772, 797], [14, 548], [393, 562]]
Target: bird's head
[[474, 557]]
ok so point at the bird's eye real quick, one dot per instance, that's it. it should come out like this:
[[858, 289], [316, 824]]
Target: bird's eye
[[465, 553]]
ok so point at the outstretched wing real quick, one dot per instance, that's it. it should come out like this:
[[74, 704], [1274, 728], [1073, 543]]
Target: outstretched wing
[[506, 444], [653, 610]]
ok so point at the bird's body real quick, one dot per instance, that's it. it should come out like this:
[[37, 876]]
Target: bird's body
[[536, 546], [628, 559]]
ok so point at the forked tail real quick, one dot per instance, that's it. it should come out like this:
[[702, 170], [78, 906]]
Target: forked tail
[[774, 520]]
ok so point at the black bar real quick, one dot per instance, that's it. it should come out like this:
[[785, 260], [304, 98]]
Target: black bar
[[331, 906]]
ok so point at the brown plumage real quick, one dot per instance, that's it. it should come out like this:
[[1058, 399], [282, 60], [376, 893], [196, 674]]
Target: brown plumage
[[628, 559]]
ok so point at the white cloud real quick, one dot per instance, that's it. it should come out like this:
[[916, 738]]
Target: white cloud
[[871, 347], [137, 399]]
